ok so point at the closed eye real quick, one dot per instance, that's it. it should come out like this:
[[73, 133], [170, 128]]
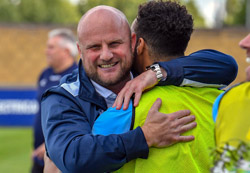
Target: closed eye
[[114, 44], [94, 47]]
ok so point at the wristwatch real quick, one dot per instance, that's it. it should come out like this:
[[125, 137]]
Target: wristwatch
[[156, 68]]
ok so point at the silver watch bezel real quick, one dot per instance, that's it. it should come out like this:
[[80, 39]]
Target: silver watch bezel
[[156, 68]]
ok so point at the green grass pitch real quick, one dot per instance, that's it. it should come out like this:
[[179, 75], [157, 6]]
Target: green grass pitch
[[15, 149]]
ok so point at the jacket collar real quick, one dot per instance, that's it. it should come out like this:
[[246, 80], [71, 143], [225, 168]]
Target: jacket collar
[[87, 90]]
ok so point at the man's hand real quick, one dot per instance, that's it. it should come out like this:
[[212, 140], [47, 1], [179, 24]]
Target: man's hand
[[49, 166], [145, 80], [162, 130], [39, 152]]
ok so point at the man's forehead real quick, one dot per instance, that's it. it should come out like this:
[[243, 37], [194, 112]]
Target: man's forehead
[[101, 15], [54, 39], [103, 8], [100, 18]]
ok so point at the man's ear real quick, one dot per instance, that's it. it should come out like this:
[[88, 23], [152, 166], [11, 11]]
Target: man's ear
[[79, 49], [140, 46], [133, 41]]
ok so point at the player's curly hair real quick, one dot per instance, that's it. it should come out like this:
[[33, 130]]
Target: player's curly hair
[[166, 27]]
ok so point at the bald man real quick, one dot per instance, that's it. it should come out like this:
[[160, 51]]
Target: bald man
[[70, 110]]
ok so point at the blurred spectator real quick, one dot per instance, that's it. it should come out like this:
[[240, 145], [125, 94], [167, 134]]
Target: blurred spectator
[[231, 113], [61, 54]]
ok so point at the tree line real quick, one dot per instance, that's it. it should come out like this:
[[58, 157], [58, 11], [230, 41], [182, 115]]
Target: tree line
[[64, 12]]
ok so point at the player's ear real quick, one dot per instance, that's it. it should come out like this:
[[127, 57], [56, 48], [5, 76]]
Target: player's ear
[[140, 46]]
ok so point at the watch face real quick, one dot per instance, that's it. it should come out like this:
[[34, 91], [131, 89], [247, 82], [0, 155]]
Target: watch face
[[155, 66]]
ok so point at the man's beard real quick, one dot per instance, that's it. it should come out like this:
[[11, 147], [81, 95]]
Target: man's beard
[[123, 74], [95, 77]]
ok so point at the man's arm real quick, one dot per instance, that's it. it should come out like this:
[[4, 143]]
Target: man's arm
[[73, 148], [202, 68]]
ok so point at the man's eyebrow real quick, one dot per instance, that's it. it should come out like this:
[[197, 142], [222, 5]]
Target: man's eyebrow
[[91, 45], [117, 40], [97, 44]]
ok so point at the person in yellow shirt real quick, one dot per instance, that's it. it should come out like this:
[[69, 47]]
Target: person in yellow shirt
[[232, 110], [231, 113]]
